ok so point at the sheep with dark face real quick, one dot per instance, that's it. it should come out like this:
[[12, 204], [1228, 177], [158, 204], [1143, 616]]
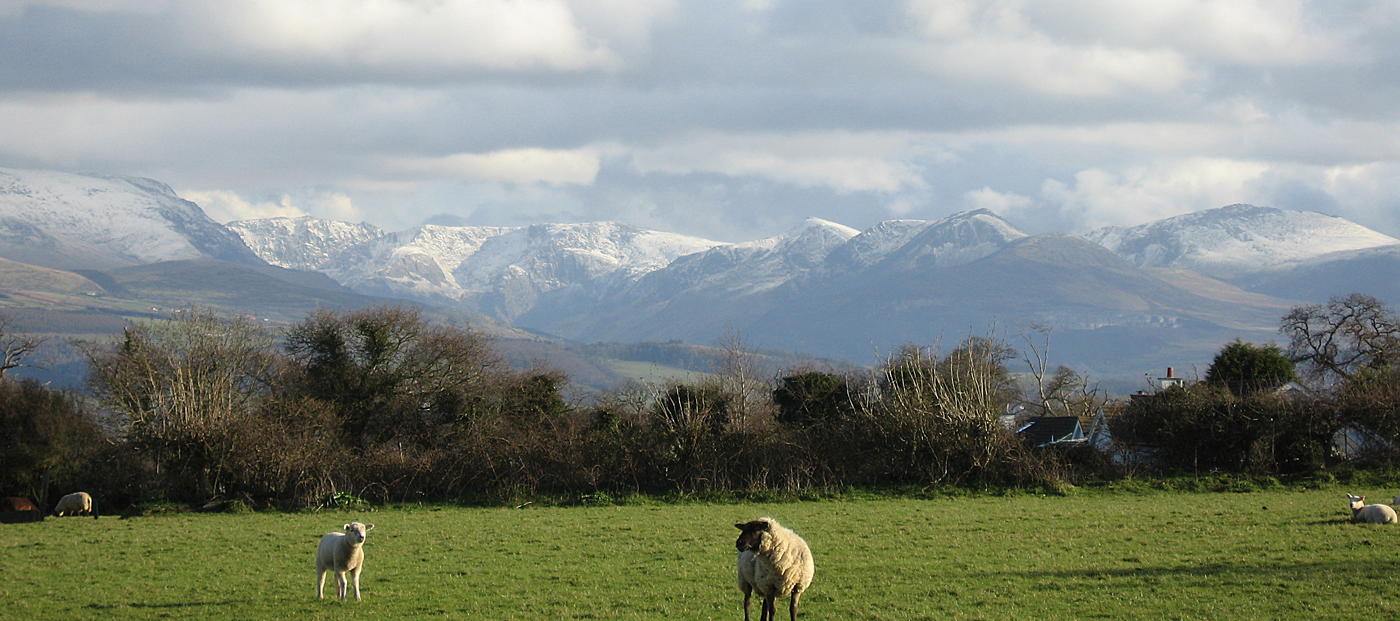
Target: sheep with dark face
[[774, 561], [341, 553]]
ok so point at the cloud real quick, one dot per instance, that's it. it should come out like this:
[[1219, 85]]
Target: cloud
[[523, 166], [1138, 194], [840, 161], [492, 34], [1003, 203], [996, 43], [731, 120], [1249, 32], [226, 206]]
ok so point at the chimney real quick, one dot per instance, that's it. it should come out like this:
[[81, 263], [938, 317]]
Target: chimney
[[1171, 372]]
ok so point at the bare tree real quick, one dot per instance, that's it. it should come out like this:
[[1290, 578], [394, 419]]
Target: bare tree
[[739, 374], [1060, 391], [939, 415], [14, 347], [182, 382], [1337, 340], [1037, 356]]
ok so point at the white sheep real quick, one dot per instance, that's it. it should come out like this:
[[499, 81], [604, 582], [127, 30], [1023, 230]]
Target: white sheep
[[339, 553], [76, 503], [1370, 514], [774, 561]]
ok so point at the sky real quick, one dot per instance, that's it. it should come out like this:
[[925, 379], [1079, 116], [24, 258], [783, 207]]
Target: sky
[[729, 120]]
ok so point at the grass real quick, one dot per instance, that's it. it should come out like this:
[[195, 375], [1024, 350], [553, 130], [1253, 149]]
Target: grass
[[654, 373], [1277, 554]]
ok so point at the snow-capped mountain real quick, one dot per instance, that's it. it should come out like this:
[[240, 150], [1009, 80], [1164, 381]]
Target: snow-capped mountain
[[1238, 241], [733, 284], [307, 244], [68, 221], [823, 287], [956, 240], [748, 267], [498, 270]]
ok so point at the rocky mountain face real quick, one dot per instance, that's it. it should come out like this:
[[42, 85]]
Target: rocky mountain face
[[68, 221], [501, 271]]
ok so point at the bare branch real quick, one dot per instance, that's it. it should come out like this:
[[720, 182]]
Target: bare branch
[[14, 348]]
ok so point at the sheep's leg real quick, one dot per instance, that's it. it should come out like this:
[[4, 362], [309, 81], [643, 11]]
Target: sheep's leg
[[340, 584], [769, 605], [355, 573], [320, 583], [748, 593], [792, 606]]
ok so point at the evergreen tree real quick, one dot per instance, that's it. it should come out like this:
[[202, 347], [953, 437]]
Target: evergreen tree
[[1246, 368]]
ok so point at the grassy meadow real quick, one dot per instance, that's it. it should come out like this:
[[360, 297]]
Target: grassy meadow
[[1282, 554]]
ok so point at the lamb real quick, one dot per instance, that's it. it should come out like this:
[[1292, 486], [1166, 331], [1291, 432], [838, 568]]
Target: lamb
[[774, 561], [342, 552], [1370, 514], [77, 503]]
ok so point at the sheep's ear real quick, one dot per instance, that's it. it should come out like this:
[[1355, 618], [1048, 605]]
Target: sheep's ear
[[369, 527], [347, 527], [739, 526]]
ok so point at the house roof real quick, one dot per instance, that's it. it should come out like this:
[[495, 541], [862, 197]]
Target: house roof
[[1043, 430]]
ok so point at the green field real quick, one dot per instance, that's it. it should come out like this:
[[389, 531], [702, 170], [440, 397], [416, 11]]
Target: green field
[[1283, 554]]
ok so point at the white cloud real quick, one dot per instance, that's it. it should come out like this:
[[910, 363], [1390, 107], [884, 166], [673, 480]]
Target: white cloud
[[226, 206], [1003, 203], [841, 161], [1250, 32], [444, 34], [523, 166], [1141, 194], [994, 43]]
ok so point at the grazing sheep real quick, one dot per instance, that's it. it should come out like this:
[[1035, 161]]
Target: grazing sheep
[[339, 553], [1370, 514], [773, 561], [76, 503]]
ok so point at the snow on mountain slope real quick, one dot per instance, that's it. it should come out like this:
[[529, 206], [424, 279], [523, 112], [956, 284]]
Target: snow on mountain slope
[[1238, 240], [306, 243], [956, 240], [501, 270], [69, 221], [754, 266]]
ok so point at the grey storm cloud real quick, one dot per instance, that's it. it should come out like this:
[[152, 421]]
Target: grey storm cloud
[[731, 120]]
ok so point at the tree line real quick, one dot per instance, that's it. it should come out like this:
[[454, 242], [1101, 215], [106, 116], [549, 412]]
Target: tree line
[[382, 405]]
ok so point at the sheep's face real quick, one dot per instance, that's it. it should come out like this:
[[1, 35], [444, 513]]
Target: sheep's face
[[1356, 501], [356, 532], [752, 536]]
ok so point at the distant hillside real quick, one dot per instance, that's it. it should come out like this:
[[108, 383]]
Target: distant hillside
[[67, 221], [1238, 241], [1124, 302]]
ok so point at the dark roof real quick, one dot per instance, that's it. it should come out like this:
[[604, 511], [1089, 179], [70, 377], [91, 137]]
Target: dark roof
[[1043, 430]]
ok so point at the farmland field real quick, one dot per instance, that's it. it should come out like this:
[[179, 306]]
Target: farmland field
[[1283, 554]]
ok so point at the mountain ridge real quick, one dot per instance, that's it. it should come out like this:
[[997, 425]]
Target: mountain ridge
[[1168, 292]]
